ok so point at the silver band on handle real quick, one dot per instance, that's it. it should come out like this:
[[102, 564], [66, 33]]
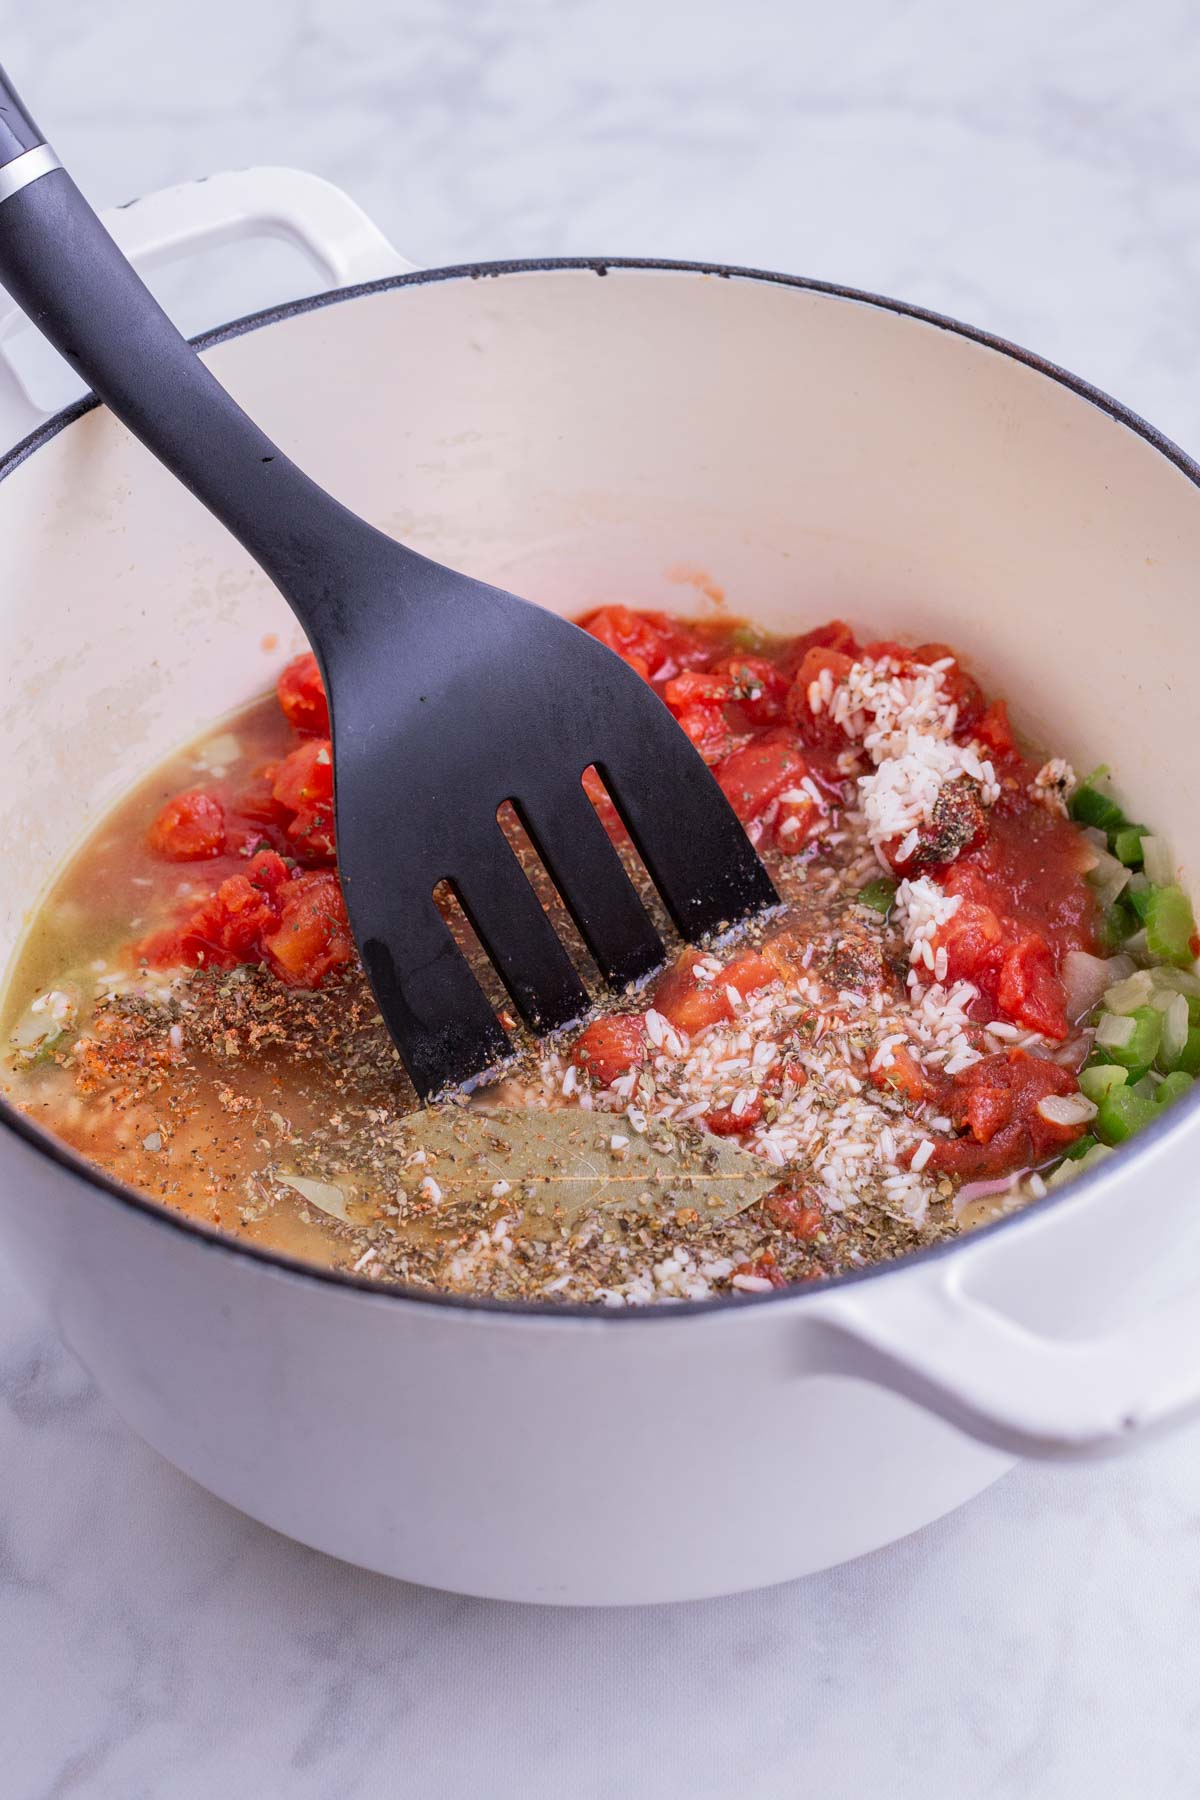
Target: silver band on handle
[[30, 166]]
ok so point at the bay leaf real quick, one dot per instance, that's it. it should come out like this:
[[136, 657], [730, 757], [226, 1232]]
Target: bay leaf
[[560, 1165], [323, 1194]]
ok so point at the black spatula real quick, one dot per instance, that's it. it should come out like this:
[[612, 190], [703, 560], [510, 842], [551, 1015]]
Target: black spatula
[[448, 697]]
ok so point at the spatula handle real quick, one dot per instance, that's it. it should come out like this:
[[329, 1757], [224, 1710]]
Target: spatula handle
[[63, 269]]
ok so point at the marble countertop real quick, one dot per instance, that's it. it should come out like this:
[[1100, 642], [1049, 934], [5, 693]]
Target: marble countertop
[[1034, 169]]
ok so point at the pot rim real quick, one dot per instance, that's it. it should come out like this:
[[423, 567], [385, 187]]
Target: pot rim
[[45, 1143]]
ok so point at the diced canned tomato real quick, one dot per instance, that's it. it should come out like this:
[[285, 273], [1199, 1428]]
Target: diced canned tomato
[[994, 731], [305, 778], [302, 696], [797, 819], [758, 688], [818, 727], [608, 1048], [905, 1074], [835, 635], [303, 786], [764, 1268], [295, 921], [312, 938], [189, 828], [795, 1211], [753, 777], [653, 643], [957, 685], [691, 1001], [697, 700], [726, 1121], [1029, 989], [997, 1100]]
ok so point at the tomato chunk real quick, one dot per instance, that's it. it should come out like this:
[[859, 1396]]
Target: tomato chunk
[[994, 731], [758, 688], [906, 1075], [692, 1000], [1029, 991], [957, 685], [697, 700], [653, 643], [305, 778], [795, 1211], [997, 1100], [796, 820], [189, 828], [988, 1110], [302, 696], [748, 971], [295, 921], [818, 726], [755, 776], [312, 937], [764, 1268], [608, 1048], [724, 1121], [836, 635], [226, 929], [303, 786]]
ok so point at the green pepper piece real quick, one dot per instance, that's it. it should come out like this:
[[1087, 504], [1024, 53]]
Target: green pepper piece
[[1170, 926], [1188, 1060], [1121, 1114], [1173, 1087], [1127, 845], [1141, 1046], [879, 895], [1090, 807], [1099, 1079], [1117, 923]]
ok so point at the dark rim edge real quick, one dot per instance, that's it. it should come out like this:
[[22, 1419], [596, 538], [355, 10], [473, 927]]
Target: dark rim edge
[[44, 1142]]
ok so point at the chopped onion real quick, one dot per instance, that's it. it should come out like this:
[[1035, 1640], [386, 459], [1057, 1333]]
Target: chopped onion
[[1113, 1033], [1176, 981], [330, 1199], [1068, 1169], [1126, 996], [219, 753], [1067, 1109], [45, 1019], [1108, 877], [1158, 861], [1087, 977], [1175, 1030]]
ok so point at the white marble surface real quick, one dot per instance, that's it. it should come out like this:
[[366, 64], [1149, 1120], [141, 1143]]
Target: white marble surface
[[1034, 168]]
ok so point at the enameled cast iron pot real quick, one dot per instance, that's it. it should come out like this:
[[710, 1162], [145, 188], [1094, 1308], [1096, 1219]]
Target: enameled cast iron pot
[[578, 432]]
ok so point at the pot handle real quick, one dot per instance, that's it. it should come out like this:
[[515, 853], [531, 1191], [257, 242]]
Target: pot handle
[[324, 223], [944, 1335]]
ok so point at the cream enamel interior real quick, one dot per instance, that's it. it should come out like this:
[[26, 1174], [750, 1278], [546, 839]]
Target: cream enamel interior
[[582, 438]]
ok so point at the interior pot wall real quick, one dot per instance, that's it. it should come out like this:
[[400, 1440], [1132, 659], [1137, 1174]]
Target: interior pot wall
[[641, 435]]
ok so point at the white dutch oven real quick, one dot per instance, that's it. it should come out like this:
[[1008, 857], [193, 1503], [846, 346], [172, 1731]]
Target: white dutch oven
[[578, 432]]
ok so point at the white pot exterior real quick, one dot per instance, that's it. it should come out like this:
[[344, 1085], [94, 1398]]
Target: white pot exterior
[[579, 437]]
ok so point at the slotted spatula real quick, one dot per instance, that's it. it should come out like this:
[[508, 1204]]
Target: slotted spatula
[[448, 697]]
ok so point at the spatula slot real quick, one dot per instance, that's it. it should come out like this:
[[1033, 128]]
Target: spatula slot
[[514, 929]]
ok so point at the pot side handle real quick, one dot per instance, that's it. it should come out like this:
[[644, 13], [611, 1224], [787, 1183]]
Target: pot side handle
[[1012, 1387], [321, 221]]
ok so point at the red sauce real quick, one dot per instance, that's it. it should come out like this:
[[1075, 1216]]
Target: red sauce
[[1025, 903]]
